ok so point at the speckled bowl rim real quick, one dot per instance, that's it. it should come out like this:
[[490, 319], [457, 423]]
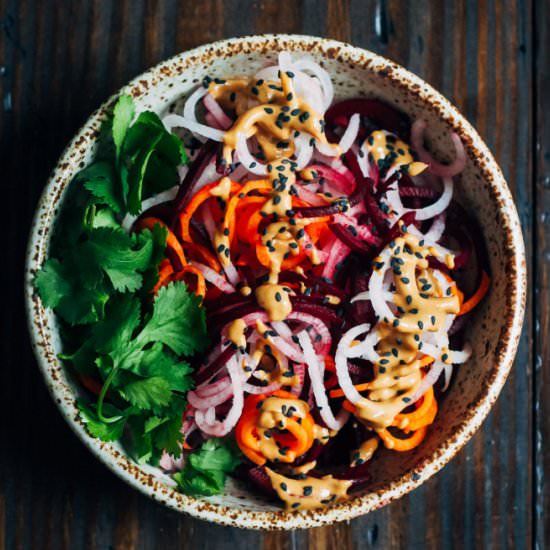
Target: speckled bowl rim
[[40, 324]]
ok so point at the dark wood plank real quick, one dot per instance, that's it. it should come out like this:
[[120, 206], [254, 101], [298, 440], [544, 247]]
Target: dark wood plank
[[58, 63], [541, 273], [475, 54]]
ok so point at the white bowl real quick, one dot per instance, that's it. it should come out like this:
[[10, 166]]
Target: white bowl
[[494, 334]]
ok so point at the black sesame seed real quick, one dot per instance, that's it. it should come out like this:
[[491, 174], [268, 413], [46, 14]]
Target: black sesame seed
[[278, 296], [308, 489]]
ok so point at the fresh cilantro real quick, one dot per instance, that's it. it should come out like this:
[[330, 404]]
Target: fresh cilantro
[[122, 257], [101, 181], [123, 114], [59, 286], [52, 281], [104, 431], [147, 394], [178, 321], [99, 281], [141, 368], [106, 259], [150, 157], [206, 469]]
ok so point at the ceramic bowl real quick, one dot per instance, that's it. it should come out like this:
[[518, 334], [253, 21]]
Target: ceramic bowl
[[494, 332]]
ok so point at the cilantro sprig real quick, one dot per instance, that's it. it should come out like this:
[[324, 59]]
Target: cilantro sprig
[[98, 280], [207, 468]]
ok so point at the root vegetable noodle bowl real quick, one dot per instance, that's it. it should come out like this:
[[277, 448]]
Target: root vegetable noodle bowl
[[307, 279]]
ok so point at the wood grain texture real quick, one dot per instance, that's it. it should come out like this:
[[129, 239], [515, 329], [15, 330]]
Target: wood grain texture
[[541, 275], [60, 60]]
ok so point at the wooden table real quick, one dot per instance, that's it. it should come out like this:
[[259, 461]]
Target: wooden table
[[60, 59]]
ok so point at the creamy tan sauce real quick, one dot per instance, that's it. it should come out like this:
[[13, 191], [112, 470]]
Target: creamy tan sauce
[[270, 363], [274, 415], [365, 452], [272, 113], [310, 492], [274, 300], [321, 434], [237, 333], [398, 373], [388, 151], [304, 468], [246, 291], [223, 189]]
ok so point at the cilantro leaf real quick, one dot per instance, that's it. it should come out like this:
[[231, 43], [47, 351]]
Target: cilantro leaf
[[84, 305], [151, 156], [123, 114], [104, 217], [137, 172], [156, 362], [178, 320], [148, 393], [121, 256], [215, 454], [116, 330], [167, 435], [52, 282], [59, 288], [100, 180], [102, 430], [207, 469], [206, 483], [101, 278]]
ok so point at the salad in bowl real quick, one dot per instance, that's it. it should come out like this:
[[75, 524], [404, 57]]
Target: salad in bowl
[[264, 284]]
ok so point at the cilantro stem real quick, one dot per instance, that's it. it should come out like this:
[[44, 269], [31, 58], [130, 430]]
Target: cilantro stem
[[106, 384]]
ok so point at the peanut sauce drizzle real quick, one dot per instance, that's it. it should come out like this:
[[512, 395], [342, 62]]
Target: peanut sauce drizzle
[[388, 151], [306, 492], [273, 114], [279, 116], [421, 307]]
